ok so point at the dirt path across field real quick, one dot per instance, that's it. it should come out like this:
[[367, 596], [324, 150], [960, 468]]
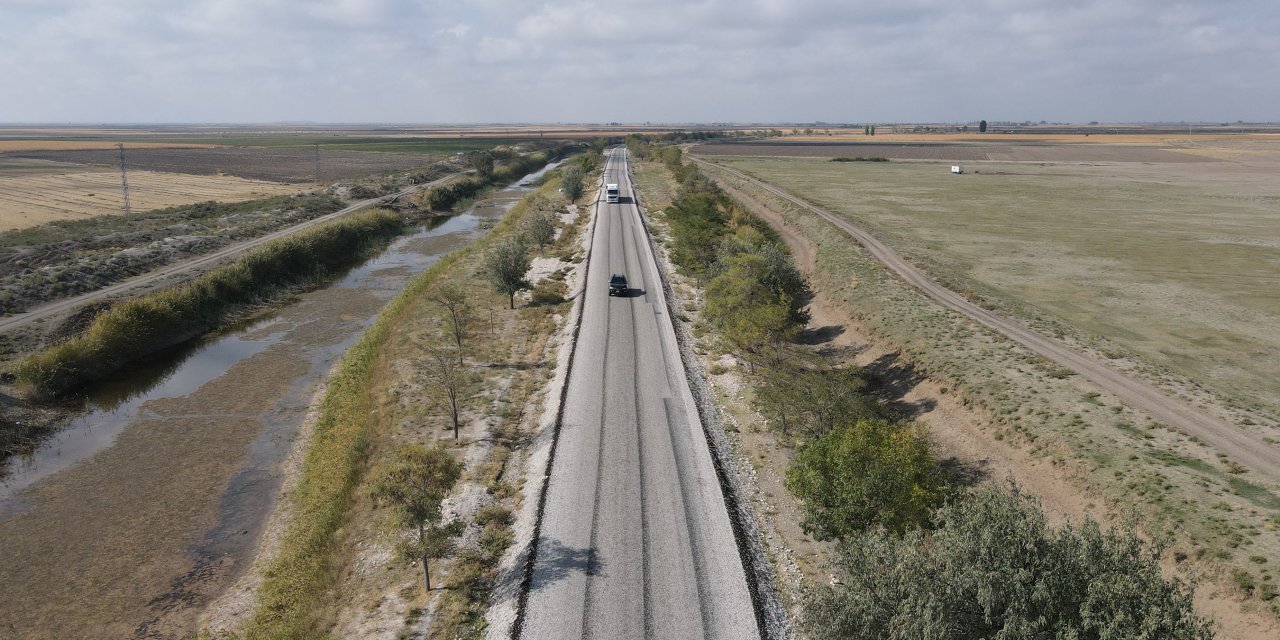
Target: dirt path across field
[[1226, 438], [955, 428], [20, 320]]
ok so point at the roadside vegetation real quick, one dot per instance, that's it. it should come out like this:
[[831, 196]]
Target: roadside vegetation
[[1215, 517], [921, 553], [386, 402], [141, 326], [492, 167], [990, 567]]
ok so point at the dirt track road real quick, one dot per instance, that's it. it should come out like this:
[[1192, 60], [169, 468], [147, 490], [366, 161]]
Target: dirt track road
[[58, 307], [1226, 438]]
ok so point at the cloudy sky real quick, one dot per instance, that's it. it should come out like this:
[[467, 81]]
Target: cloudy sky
[[638, 60]]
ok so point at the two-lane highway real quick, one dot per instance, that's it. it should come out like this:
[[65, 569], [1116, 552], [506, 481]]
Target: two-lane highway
[[635, 540]]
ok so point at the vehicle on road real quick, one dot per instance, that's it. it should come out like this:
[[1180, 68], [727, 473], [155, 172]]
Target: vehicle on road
[[618, 285], [611, 192]]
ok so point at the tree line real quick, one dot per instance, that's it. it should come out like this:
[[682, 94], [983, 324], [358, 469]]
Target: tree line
[[417, 479], [919, 554], [491, 168]]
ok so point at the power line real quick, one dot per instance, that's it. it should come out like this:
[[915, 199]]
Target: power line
[[124, 178]]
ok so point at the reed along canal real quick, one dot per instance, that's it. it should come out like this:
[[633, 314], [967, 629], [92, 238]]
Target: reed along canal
[[138, 513]]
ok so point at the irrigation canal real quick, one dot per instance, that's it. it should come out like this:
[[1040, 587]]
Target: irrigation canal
[[140, 511]]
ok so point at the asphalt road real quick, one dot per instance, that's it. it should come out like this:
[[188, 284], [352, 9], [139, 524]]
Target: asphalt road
[[205, 261], [1231, 440], [635, 539]]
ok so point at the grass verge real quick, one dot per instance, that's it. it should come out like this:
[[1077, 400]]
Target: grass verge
[[298, 587], [1181, 491]]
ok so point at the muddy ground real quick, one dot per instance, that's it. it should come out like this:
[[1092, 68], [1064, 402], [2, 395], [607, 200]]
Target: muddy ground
[[140, 525]]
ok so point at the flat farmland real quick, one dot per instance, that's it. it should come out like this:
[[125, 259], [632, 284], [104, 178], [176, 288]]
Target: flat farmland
[[276, 164], [33, 192], [63, 145], [917, 148], [1176, 262]]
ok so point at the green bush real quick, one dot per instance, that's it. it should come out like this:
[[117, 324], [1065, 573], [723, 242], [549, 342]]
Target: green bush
[[549, 292], [811, 400], [992, 568], [863, 474]]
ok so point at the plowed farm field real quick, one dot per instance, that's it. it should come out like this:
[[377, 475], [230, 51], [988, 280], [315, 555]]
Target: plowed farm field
[[33, 192]]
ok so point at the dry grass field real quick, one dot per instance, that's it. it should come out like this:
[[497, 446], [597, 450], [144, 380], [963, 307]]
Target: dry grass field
[[33, 192], [9, 146], [1176, 262], [277, 164], [1173, 259]]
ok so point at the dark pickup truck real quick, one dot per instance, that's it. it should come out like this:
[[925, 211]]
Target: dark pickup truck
[[618, 285]]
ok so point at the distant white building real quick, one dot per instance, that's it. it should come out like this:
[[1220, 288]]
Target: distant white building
[[955, 168]]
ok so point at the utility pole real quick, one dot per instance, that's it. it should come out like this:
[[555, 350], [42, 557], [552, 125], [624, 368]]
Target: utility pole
[[124, 178], [317, 163]]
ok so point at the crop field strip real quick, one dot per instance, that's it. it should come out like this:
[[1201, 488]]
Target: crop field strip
[[27, 200], [282, 164]]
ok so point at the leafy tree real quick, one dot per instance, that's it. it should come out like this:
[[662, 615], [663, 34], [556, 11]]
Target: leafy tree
[[540, 229], [456, 308], [697, 223], [865, 473], [813, 399], [574, 181], [482, 162], [982, 126], [506, 266], [414, 484], [754, 321], [450, 380], [992, 568], [778, 273]]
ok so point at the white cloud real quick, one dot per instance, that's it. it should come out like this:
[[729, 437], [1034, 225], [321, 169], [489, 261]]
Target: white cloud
[[495, 60]]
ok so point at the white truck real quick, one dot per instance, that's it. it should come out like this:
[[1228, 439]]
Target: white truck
[[611, 192]]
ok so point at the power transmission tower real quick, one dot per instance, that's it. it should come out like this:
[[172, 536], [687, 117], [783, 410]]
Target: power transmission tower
[[317, 162], [124, 178]]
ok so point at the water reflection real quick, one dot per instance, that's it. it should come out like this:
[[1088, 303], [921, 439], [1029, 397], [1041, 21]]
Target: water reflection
[[112, 404]]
